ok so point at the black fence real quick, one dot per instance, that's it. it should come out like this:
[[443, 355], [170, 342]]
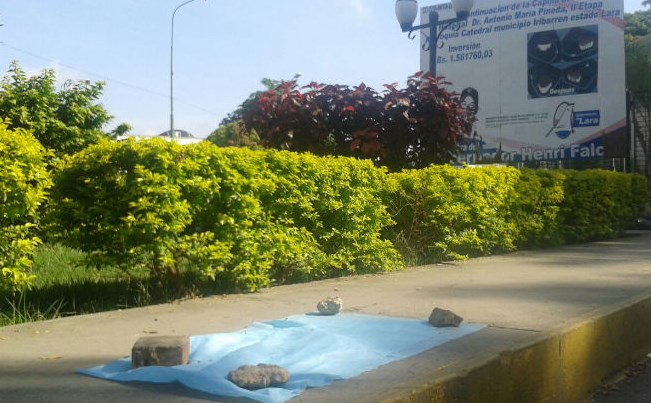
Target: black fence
[[639, 123]]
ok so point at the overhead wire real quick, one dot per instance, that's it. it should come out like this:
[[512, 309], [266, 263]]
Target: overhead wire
[[103, 77]]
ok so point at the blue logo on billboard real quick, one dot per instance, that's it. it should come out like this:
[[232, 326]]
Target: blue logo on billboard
[[587, 118], [566, 119]]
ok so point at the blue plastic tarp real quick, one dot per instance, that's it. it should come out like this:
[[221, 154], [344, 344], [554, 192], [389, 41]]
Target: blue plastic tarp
[[316, 350]]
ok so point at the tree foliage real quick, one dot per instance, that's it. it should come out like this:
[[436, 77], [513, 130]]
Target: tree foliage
[[24, 181], [121, 130], [234, 134], [409, 127], [638, 57], [65, 120], [638, 66], [638, 24]]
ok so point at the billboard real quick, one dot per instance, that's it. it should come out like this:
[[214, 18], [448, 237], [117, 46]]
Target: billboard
[[546, 78]]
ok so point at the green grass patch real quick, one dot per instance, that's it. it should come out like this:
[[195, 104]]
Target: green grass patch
[[18, 309], [65, 286]]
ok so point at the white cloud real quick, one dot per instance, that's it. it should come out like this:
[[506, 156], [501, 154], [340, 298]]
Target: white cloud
[[62, 73], [361, 8]]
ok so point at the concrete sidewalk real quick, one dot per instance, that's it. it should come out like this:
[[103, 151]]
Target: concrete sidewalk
[[559, 321]]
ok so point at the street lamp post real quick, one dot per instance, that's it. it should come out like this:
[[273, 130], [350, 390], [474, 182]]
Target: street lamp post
[[406, 12], [172, 70]]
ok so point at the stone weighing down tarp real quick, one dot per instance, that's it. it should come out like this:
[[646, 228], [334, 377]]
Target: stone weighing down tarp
[[316, 350]]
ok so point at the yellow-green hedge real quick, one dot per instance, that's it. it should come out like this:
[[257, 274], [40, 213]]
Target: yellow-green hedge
[[244, 218], [247, 219], [24, 181], [443, 212]]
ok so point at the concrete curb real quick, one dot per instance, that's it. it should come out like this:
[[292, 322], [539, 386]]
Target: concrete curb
[[563, 365]]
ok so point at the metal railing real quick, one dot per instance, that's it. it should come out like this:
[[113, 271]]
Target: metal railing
[[640, 121]]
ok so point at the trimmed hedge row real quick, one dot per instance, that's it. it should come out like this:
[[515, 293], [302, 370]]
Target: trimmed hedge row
[[600, 204], [443, 212], [247, 219], [244, 218]]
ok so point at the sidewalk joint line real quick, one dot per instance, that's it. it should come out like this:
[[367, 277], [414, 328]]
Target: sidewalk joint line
[[516, 328]]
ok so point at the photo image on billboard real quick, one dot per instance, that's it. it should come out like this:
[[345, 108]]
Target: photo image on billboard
[[562, 62]]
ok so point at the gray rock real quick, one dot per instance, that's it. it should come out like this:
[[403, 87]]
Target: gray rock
[[259, 376], [164, 351], [444, 318], [329, 306]]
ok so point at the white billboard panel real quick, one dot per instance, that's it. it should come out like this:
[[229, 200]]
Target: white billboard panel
[[547, 77]]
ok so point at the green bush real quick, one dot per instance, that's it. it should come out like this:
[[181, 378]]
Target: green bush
[[338, 201], [243, 218], [122, 202], [599, 204], [24, 181], [444, 212], [289, 217], [447, 213], [534, 208]]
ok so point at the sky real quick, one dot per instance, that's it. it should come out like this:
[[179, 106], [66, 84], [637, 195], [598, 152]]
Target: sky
[[222, 50]]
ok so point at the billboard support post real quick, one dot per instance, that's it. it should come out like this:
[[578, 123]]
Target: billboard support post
[[433, 27]]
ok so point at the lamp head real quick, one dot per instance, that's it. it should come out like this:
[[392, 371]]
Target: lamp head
[[406, 11], [462, 8]]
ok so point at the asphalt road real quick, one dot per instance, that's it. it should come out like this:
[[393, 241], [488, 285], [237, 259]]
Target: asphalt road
[[633, 385]]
